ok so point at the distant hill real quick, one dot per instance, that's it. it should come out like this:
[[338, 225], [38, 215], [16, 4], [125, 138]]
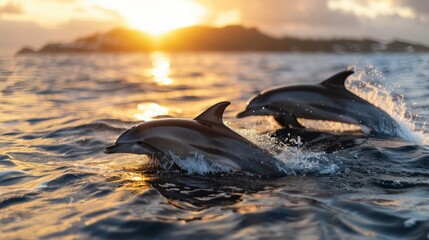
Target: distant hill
[[229, 38]]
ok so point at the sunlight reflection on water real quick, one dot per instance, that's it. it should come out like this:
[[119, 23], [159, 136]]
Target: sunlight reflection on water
[[161, 68], [149, 111]]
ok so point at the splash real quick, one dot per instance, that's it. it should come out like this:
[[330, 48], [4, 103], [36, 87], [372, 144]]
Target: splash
[[294, 160], [303, 162], [381, 95], [196, 163], [262, 140]]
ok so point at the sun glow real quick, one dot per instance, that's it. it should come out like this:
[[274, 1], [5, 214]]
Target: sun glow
[[156, 17]]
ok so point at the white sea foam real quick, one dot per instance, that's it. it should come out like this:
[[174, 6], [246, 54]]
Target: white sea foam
[[413, 221], [263, 140], [369, 84], [196, 163], [294, 159], [303, 162]]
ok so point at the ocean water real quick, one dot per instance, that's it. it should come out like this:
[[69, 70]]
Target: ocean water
[[58, 112]]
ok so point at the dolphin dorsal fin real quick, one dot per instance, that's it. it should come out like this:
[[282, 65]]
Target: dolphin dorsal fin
[[214, 113], [338, 79]]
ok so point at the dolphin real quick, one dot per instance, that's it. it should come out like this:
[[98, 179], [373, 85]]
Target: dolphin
[[328, 100], [206, 135]]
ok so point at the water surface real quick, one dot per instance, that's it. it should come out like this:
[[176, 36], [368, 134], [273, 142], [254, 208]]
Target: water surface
[[58, 112]]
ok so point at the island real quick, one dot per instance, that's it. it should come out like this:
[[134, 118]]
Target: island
[[229, 38]]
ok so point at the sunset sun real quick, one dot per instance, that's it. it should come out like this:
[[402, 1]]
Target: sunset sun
[[157, 17]]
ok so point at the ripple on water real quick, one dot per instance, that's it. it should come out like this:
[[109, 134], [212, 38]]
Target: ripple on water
[[399, 184], [116, 228], [17, 197], [65, 180], [375, 221], [420, 162], [6, 161], [13, 177]]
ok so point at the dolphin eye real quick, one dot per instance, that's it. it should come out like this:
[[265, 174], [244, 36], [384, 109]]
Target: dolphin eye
[[140, 142]]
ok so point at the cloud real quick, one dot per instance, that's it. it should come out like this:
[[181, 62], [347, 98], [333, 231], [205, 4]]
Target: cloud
[[11, 8], [418, 5], [279, 17], [304, 18], [413, 9], [281, 12], [63, 1], [381, 19], [16, 34], [372, 9], [421, 7]]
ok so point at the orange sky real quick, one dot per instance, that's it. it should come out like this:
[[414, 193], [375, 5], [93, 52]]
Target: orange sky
[[35, 22]]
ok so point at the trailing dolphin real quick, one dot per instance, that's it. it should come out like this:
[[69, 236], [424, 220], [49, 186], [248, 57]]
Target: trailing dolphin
[[329, 100], [205, 135]]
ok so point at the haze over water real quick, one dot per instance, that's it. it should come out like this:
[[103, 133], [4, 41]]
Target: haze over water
[[58, 112]]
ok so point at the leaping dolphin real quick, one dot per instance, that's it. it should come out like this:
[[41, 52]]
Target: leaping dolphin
[[329, 100], [206, 135]]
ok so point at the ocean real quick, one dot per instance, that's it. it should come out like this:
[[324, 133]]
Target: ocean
[[58, 113]]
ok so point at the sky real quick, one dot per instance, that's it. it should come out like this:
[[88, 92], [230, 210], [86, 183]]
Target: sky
[[35, 22]]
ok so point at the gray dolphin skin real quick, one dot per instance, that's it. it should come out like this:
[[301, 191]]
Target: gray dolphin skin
[[205, 135], [329, 100]]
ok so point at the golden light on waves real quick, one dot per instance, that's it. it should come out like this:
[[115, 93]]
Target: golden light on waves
[[161, 68], [156, 17], [150, 110]]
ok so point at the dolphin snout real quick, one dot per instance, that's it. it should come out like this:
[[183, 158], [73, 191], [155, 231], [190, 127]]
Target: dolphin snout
[[258, 111], [117, 148], [109, 149], [130, 147], [245, 113]]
